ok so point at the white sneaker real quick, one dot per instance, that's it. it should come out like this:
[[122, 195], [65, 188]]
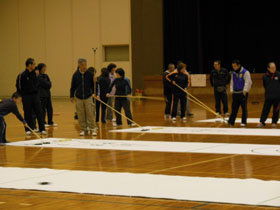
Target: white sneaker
[[173, 118], [113, 120], [227, 114], [132, 125], [243, 125], [184, 118], [82, 133], [116, 125], [37, 130], [93, 133], [51, 125], [43, 132], [28, 133]]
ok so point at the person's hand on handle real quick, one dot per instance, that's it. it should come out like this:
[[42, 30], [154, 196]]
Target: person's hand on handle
[[98, 97], [108, 95], [173, 82]]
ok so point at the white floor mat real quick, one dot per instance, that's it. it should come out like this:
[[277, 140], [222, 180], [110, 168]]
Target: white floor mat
[[222, 190], [238, 120], [156, 146], [203, 131]]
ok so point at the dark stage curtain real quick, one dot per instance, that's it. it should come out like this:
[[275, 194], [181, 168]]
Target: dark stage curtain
[[200, 31]]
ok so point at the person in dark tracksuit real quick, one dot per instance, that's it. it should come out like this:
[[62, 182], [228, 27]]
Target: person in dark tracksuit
[[102, 84], [219, 79], [9, 106], [19, 90], [179, 77], [271, 84], [240, 86], [122, 89], [45, 85], [30, 97], [167, 91]]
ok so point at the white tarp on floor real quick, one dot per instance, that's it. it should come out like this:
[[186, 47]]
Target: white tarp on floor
[[222, 190], [203, 131], [238, 120], [156, 146]]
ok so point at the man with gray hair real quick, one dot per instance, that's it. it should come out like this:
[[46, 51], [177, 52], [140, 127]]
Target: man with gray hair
[[82, 88]]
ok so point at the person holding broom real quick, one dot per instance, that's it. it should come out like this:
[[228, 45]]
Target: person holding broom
[[8, 106]]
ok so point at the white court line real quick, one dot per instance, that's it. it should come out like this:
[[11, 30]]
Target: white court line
[[222, 190], [238, 120], [202, 131], [156, 146]]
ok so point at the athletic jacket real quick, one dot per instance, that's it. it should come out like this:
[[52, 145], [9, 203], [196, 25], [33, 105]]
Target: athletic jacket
[[82, 85], [181, 79], [27, 83], [103, 84], [167, 86], [7, 106], [44, 86], [240, 81], [219, 77], [122, 87], [271, 84]]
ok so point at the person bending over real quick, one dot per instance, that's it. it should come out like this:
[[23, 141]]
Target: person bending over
[[8, 106]]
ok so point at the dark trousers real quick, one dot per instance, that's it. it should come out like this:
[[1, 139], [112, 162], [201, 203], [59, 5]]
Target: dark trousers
[[103, 109], [47, 108], [183, 103], [168, 102], [2, 130], [119, 103], [221, 97], [238, 99], [32, 103], [268, 103]]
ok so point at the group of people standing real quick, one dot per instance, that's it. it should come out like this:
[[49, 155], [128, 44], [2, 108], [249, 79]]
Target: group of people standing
[[240, 84], [33, 89], [33, 85], [112, 87], [91, 94]]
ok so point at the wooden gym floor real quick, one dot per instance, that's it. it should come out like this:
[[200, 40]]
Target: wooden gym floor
[[146, 113]]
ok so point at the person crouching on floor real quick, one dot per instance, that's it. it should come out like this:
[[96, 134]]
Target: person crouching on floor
[[122, 89], [7, 106]]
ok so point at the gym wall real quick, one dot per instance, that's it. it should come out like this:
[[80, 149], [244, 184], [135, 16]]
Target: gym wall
[[58, 32]]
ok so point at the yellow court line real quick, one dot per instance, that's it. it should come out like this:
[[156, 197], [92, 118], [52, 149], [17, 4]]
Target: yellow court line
[[192, 164]]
